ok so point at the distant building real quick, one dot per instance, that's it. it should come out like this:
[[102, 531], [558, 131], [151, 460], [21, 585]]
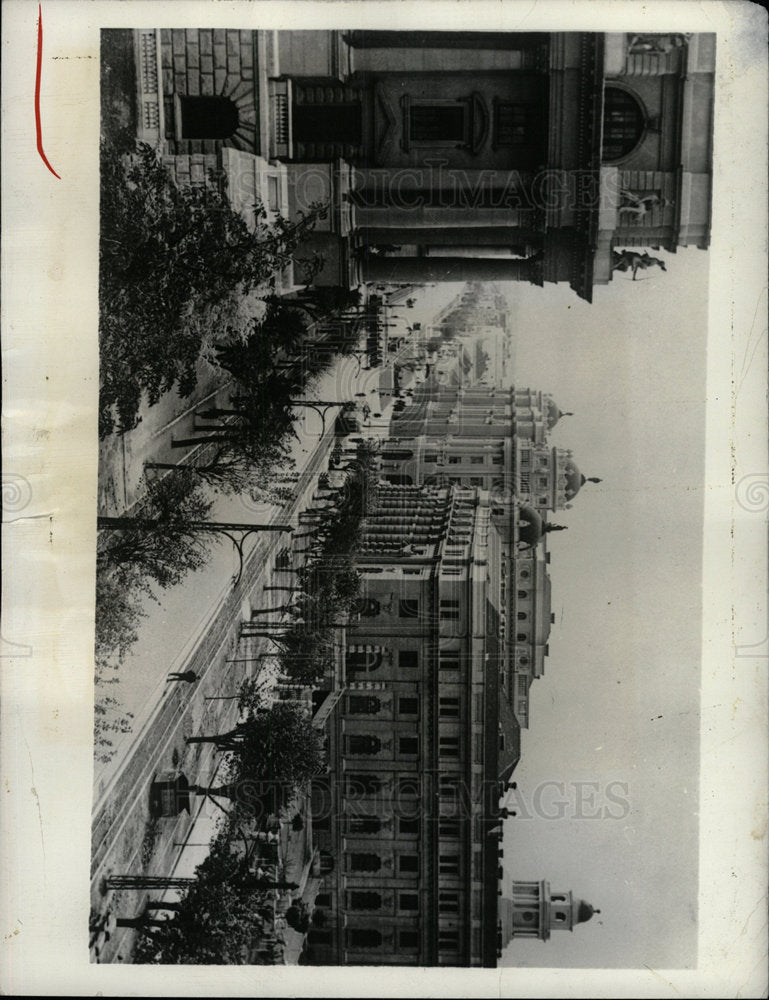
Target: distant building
[[510, 156]]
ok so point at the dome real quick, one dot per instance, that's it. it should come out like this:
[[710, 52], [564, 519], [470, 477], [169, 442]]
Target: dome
[[574, 479], [530, 526], [584, 911], [552, 413]]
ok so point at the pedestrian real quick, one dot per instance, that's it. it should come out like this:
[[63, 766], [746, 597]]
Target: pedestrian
[[188, 675]]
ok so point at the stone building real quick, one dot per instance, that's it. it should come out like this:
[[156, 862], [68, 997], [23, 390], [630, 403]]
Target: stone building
[[507, 156], [408, 820]]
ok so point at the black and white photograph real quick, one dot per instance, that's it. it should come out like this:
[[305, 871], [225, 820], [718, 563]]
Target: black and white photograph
[[400, 410]]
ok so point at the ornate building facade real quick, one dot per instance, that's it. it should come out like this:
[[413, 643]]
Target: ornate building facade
[[508, 156]]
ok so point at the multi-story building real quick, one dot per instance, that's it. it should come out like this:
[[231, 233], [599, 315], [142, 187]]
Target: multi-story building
[[508, 156], [408, 820]]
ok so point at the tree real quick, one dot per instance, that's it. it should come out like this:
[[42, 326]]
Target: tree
[[168, 549], [278, 744], [219, 920], [168, 257], [231, 472]]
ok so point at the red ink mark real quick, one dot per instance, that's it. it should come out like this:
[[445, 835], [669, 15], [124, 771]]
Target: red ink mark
[[38, 125]]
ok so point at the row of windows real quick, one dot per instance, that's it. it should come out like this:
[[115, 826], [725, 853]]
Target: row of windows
[[448, 827], [361, 745], [359, 704], [408, 864], [365, 938], [408, 659]]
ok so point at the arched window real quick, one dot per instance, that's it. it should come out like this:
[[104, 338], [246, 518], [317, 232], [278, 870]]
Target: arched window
[[623, 124], [363, 661], [560, 917], [521, 637], [367, 607], [208, 117], [361, 704], [522, 616], [523, 594]]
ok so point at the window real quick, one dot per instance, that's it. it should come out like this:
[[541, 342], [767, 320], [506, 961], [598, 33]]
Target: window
[[476, 460], [449, 661], [454, 459], [367, 607], [523, 684], [525, 574], [408, 901], [521, 637], [363, 900], [408, 658], [323, 899], [359, 704], [623, 124], [408, 706], [522, 616], [408, 609], [358, 661], [449, 746], [363, 824], [208, 117], [448, 902], [408, 863], [408, 745], [273, 193], [448, 827], [361, 937], [512, 124], [363, 745], [449, 707], [439, 122], [408, 826], [448, 864], [449, 610], [397, 455], [430, 457], [448, 940], [560, 917], [364, 862], [408, 939], [523, 594], [496, 460], [362, 784]]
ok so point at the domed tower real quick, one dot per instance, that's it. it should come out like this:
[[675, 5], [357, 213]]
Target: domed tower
[[534, 911]]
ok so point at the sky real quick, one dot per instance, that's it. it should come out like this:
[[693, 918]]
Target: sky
[[619, 701]]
